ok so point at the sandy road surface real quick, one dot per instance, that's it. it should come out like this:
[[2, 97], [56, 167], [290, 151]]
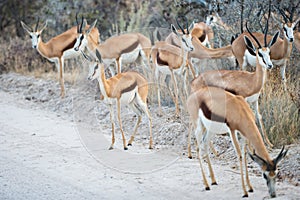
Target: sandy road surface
[[43, 157]]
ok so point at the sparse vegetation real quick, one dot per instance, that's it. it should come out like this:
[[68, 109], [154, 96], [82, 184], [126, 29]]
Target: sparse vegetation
[[280, 109]]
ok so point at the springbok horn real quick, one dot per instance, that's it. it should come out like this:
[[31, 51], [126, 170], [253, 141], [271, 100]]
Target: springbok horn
[[37, 24], [180, 25], [257, 42]]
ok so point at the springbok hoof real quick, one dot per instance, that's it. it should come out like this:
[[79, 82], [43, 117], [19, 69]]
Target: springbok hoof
[[245, 195], [214, 183], [250, 190], [110, 148], [129, 144], [125, 148], [207, 188]]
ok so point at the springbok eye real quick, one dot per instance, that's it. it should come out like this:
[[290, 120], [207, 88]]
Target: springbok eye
[[38, 36], [30, 36], [96, 67], [81, 38], [260, 54], [284, 28]]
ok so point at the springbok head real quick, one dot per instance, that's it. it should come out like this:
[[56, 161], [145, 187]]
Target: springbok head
[[263, 52], [94, 65], [34, 33], [288, 25], [184, 36], [269, 169], [82, 33]]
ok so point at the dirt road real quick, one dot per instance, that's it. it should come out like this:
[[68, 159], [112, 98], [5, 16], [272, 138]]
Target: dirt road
[[44, 155]]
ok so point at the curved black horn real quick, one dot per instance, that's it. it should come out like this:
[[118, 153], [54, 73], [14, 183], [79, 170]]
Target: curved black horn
[[281, 155], [179, 24], [257, 42], [37, 24], [187, 24], [80, 29], [267, 25], [283, 15], [77, 23]]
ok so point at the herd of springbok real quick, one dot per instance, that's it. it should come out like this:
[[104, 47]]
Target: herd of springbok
[[217, 100]]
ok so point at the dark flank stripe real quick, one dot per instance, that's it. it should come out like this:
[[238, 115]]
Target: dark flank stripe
[[131, 47], [202, 38], [70, 46], [231, 91], [160, 61], [209, 115], [129, 88]]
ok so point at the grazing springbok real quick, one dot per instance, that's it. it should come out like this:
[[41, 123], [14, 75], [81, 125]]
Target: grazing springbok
[[168, 59], [125, 48], [219, 111], [244, 83], [58, 48], [128, 88], [280, 51]]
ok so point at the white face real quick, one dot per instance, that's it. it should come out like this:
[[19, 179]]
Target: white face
[[210, 19], [35, 38], [81, 42], [264, 58], [270, 178], [289, 32], [186, 42], [94, 71]]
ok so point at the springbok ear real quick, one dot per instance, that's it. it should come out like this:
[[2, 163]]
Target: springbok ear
[[261, 162], [280, 156], [98, 56], [26, 28], [192, 25], [296, 23], [88, 58], [251, 48], [44, 26], [274, 39], [91, 27], [173, 28]]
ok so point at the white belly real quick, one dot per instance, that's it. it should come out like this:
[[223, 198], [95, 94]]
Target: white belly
[[253, 98], [71, 53], [213, 126], [278, 62], [249, 59], [131, 56], [127, 97], [107, 62], [165, 69]]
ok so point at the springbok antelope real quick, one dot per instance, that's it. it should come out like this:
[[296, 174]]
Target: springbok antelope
[[200, 50], [244, 83], [123, 48], [297, 40], [280, 51], [129, 88], [168, 58], [199, 30], [219, 111], [58, 48]]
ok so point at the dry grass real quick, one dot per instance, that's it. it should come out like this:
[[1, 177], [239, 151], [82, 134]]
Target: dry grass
[[279, 109]]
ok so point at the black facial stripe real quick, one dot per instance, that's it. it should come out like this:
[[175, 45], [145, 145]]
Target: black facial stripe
[[80, 39], [262, 57], [95, 68], [185, 42]]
